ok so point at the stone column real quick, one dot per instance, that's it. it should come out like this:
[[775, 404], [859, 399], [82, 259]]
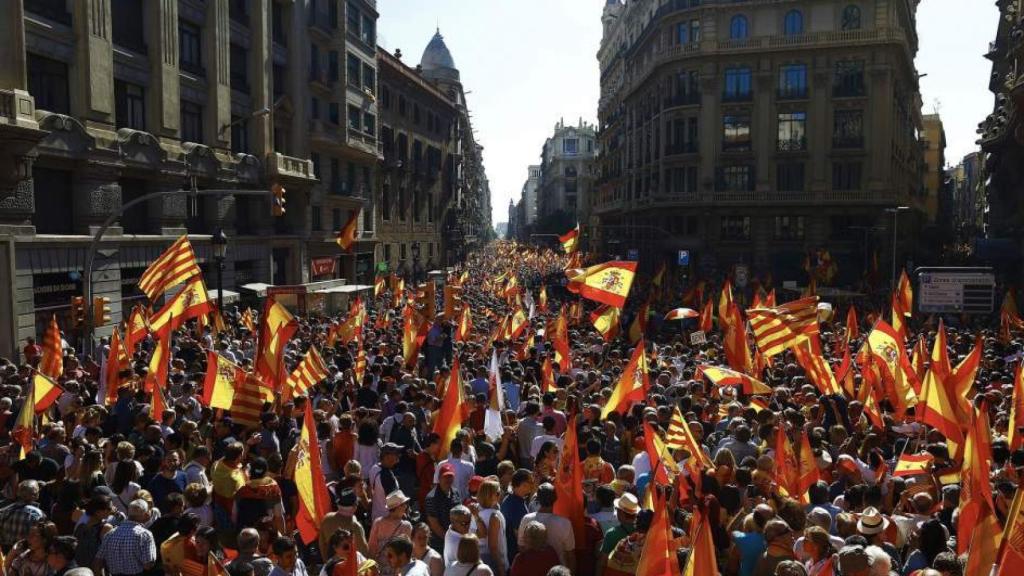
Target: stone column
[[96, 196], [217, 40], [879, 120], [763, 120], [259, 78], [819, 125], [165, 113], [710, 127], [298, 80], [13, 64], [93, 78]]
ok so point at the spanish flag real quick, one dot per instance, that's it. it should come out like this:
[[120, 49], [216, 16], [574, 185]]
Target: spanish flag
[[359, 369], [117, 361], [935, 408], [638, 327], [658, 555], [899, 321], [448, 420], [1013, 436], [706, 317], [314, 500], [734, 340], [905, 294], [570, 240], [52, 362], [569, 485], [136, 330], [413, 335], [961, 380], [542, 299], [156, 376], [913, 464], [852, 326], [222, 377], [191, 302], [702, 561], [978, 531], [1011, 558], [465, 327], [794, 475], [378, 285], [606, 321], [887, 346], [276, 330], [347, 236], [24, 430], [632, 386], [607, 283], [558, 334], [547, 376], [44, 392], [720, 376]]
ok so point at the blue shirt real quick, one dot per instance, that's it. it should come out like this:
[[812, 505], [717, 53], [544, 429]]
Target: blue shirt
[[480, 386], [161, 487], [751, 545], [513, 508], [512, 400]]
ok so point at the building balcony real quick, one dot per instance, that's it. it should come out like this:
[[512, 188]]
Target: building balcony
[[692, 99], [364, 143], [681, 149], [279, 165], [609, 204], [792, 93], [321, 27]]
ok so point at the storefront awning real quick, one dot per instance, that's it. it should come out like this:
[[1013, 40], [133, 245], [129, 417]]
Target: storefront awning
[[230, 296], [346, 289], [260, 288]]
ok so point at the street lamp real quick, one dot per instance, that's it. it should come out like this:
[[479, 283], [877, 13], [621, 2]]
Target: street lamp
[[219, 241], [415, 260], [895, 219]]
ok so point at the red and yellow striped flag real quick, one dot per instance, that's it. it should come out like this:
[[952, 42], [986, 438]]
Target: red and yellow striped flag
[[1011, 558], [448, 420], [905, 294], [702, 561], [156, 377], [136, 329], [785, 326], [935, 408], [1013, 435], [547, 376], [117, 361], [606, 321], [465, 327], [52, 361], [558, 334], [681, 437], [707, 317], [569, 484], [306, 375], [542, 299], [250, 396], [415, 332], [633, 384], [314, 500], [359, 369], [176, 265], [638, 327], [379, 283], [978, 531], [24, 431]]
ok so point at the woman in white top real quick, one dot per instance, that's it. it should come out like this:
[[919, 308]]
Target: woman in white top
[[422, 551], [367, 451], [469, 563], [124, 486], [490, 527]]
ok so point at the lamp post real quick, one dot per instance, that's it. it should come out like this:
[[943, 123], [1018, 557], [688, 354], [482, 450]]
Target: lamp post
[[415, 260], [219, 241], [895, 220]]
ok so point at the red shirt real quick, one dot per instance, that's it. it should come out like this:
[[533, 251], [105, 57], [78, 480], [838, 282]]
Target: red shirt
[[534, 562]]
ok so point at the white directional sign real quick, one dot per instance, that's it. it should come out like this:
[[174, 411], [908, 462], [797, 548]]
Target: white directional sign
[[955, 291]]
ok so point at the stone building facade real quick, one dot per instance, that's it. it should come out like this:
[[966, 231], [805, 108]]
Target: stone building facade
[[567, 171], [755, 131], [108, 100]]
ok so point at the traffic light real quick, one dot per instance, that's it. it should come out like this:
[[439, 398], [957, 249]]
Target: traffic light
[[78, 312], [100, 311], [277, 200]]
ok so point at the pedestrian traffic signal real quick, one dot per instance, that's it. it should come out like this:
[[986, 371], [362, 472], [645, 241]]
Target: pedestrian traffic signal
[[78, 311], [100, 312], [277, 200]]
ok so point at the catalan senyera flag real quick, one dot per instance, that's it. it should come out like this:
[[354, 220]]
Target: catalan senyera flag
[[222, 377], [52, 361], [1011, 556], [347, 236], [448, 420], [250, 396], [176, 265], [569, 484], [314, 500], [606, 321], [707, 317], [547, 376], [1013, 435], [905, 294], [607, 283], [191, 302], [817, 368], [24, 430], [570, 240], [680, 437], [44, 392], [720, 376], [248, 321], [276, 329], [913, 464], [632, 385], [307, 374], [777, 329]]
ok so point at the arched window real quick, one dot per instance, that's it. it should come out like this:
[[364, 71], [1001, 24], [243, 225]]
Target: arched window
[[738, 27], [851, 18], [794, 23]]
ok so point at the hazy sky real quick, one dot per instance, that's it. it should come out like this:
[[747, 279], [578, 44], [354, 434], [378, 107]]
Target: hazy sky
[[529, 63]]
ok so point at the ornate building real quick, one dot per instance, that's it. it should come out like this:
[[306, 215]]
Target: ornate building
[[103, 101], [567, 175], [754, 131]]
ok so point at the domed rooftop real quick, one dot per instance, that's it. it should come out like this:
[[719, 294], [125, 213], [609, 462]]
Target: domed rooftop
[[437, 60]]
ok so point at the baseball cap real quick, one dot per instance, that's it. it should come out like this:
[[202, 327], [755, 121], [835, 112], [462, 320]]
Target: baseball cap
[[475, 482], [447, 469], [391, 448]]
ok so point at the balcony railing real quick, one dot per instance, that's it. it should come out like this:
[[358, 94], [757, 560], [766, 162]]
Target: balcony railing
[[683, 100], [793, 144]]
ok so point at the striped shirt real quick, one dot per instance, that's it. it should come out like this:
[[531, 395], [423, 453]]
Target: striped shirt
[[127, 549]]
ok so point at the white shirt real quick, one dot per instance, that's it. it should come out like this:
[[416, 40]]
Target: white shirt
[[464, 569], [560, 535], [464, 471], [538, 443], [642, 463], [451, 547]]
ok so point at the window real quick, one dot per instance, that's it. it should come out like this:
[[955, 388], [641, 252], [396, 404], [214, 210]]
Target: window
[[191, 122], [126, 18], [53, 188], [849, 78], [352, 18], [794, 23], [789, 227], [683, 33], [130, 102], [238, 10], [239, 68], [736, 178], [789, 177], [190, 47], [738, 27], [56, 10], [314, 62], [851, 18], [352, 68], [415, 113], [369, 78], [314, 157], [792, 131], [239, 135], [402, 201], [793, 82], [48, 83], [387, 253], [370, 124], [334, 113], [735, 227], [385, 98], [401, 104], [316, 224], [736, 132], [333, 70], [695, 31], [737, 84], [401, 251], [369, 33], [279, 77], [848, 129], [385, 201], [332, 13], [336, 187], [335, 219], [846, 175], [354, 117], [570, 146]]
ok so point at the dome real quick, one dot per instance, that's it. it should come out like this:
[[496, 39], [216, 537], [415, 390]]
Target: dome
[[437, 58]]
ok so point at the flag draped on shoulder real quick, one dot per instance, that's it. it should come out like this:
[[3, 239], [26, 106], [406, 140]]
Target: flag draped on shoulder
[[52, 361], [448, 421], [276, 330], [176, 265], [222, 377], [314, 500], [607, 283], [633, 384], [786, 326]]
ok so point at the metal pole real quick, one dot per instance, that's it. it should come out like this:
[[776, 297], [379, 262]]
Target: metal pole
[[220, 285]]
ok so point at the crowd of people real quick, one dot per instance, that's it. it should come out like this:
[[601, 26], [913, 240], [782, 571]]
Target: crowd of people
[[109, 489]]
